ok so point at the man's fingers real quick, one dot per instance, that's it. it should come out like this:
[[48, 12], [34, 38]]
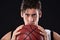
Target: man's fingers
[[17, 33], [41, 28], [44, 35], [18, 28], [14, 35]]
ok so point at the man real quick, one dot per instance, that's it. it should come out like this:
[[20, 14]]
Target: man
[[31, 12]]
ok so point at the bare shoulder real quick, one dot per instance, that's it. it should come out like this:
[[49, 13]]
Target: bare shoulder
[[56, 36], [6, 36]]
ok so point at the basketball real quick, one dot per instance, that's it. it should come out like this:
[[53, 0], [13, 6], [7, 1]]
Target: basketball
[[29, 32]]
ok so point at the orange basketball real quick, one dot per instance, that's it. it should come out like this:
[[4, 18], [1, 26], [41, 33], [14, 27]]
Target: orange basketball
[[29, 32]]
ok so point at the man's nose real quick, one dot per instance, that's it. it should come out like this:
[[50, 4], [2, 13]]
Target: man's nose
[[30, 19]]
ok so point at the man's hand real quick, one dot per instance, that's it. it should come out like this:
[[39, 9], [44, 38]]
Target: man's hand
[[16, 33], [43, 32]]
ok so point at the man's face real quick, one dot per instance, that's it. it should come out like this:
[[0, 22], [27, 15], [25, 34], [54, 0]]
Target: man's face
[[31, 16]]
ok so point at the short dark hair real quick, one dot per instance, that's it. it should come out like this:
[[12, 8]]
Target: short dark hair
[[30, 4]]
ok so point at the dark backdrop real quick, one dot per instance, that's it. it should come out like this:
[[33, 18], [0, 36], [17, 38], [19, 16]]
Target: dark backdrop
[[10, 17]]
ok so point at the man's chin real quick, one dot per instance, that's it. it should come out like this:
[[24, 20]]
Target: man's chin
[[30, 24]]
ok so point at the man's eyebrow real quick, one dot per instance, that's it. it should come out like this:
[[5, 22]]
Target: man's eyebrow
[[29, 14], [26, 14], [33, 14]]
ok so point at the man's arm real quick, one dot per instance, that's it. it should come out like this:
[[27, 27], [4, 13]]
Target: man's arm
[[56, 36], [7, 36]]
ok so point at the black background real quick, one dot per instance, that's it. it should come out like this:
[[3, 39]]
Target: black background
[[10, 17]]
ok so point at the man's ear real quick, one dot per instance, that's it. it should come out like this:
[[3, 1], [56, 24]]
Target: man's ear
[[40, 14], [22, 14]]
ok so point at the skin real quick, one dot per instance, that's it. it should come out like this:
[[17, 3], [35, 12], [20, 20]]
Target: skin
[[30, 16]]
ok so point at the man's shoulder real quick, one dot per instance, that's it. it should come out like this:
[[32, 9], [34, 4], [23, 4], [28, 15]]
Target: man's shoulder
[[6, 36]]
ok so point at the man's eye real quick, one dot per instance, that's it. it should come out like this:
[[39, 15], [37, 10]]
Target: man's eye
[[34, 15], [27, 14]]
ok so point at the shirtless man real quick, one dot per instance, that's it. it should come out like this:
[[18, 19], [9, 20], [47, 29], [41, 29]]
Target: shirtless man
[[31, 12]]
